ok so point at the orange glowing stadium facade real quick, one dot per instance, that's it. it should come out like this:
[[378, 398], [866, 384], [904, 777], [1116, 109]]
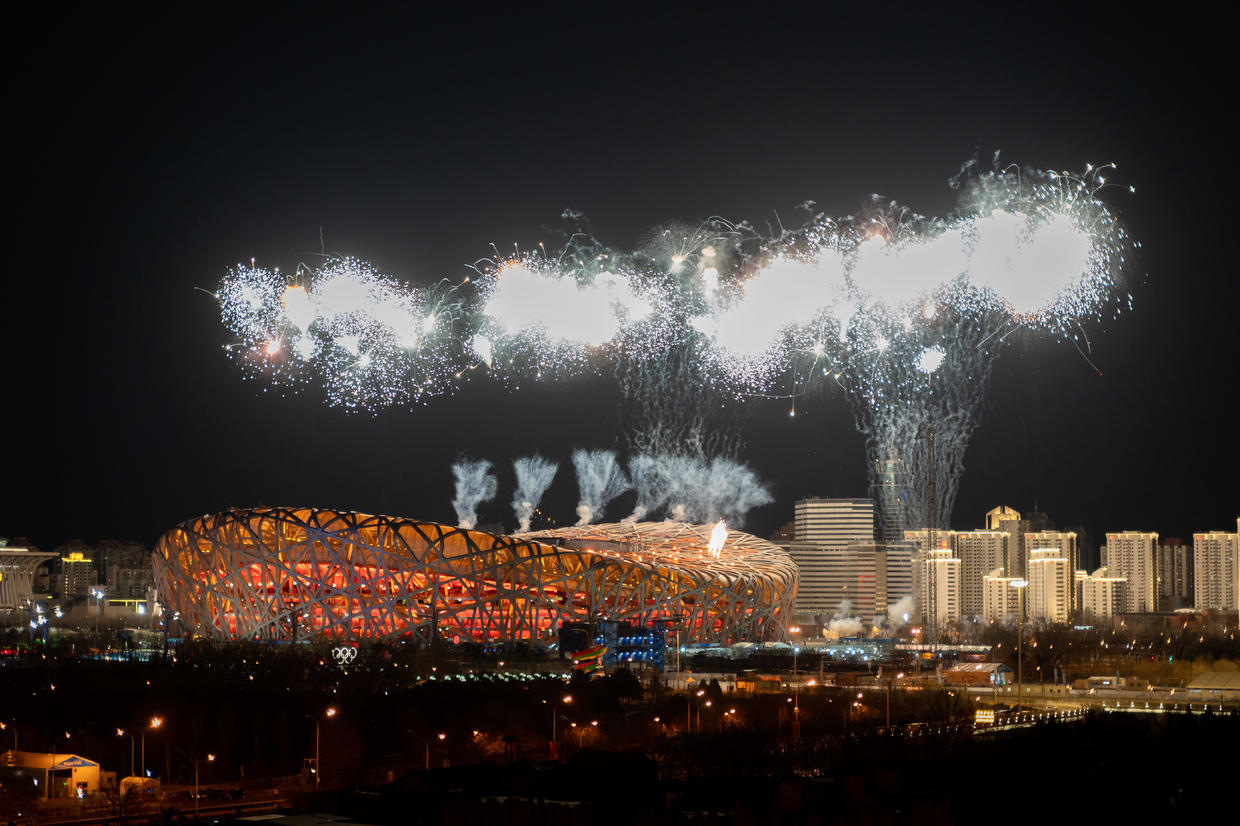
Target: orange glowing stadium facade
[[293, 573]]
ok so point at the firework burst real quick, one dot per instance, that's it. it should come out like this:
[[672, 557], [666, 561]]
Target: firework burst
[[905, 312]]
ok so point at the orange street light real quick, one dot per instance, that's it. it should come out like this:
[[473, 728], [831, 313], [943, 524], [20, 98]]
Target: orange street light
[[329, 712]]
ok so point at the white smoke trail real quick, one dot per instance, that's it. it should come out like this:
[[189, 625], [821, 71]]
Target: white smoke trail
[[844, 622], [599, 480], [534, 475], [474, 484], [899, 613], [695, 489]]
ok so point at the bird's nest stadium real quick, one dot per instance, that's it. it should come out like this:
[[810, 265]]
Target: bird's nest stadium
[[294, 573]]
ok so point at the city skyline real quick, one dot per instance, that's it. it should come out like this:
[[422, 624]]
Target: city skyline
[[154, 166]]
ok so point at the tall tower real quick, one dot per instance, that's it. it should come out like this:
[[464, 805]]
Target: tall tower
[[891, 495]]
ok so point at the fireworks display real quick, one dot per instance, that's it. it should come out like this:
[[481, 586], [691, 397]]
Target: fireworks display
[[366, 338], [904, 312]]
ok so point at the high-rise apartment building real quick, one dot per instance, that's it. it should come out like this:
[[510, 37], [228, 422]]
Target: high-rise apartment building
[[1102, 595], [1131, 555], [1062, 541], [1214, 574], [77, 574], [834, 522], [1000, 600], [1173, 565], [940, 589], [925, 541], [1010, 521], [980, 552], [1050, 585]]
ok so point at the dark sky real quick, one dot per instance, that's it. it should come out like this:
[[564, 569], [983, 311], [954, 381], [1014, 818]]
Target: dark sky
[[147, 155]]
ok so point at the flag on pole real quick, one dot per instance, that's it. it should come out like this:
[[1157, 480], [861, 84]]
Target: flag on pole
[[589, 659]]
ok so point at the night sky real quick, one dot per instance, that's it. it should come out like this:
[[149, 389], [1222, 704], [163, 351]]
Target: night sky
[[148, 155]]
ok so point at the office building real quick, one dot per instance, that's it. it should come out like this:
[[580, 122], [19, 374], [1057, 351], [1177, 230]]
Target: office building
[[819, 575], [1000, 514], [834, 522], [1214, 574], [868, 576], [893, 579], [1130, 555]]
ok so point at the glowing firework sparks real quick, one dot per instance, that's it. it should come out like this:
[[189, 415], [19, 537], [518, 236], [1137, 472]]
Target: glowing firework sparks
[[718, 536], [368, 339], [905, 312], [931, 359]]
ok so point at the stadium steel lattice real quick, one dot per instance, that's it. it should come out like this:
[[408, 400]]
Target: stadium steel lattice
[[289, 573]]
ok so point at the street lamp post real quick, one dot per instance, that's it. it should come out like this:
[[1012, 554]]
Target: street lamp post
[[97, 593], [4, 726], [47, 775], [581, 730], [1019, 585], [210, 758], [567, 698], [120, 732], [427, 743], [156, 722], [318, 774]]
